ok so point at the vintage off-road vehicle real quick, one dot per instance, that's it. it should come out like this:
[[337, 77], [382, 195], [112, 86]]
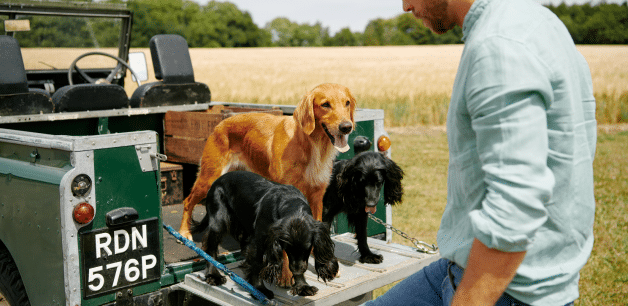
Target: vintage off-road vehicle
[[84, 187]]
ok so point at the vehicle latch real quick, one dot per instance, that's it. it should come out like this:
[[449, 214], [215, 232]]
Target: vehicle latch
[[148, 157]]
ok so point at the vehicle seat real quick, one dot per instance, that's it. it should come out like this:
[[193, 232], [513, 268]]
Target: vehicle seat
[[15, 96], [83, 97], [173, 66]]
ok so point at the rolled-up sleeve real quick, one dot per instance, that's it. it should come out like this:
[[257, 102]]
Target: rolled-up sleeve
[[508, 90]]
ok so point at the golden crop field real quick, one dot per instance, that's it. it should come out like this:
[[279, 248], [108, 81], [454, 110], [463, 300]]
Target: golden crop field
[[411, 83]]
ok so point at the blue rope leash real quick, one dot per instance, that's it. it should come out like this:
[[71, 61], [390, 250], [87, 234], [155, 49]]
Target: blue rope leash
[[240, 281]]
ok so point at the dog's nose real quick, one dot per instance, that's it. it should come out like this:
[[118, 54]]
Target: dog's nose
[[345, 127]]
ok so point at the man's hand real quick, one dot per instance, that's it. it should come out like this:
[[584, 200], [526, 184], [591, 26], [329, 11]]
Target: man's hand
[[487, 275]]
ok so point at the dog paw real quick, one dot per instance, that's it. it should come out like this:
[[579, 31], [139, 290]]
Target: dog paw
[[187, 235], [215, 280], [304, 290], [328, 271], [371, 259]]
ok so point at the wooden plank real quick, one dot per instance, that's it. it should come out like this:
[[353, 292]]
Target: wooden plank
[[185, 133], [190, 124], [184, 150]]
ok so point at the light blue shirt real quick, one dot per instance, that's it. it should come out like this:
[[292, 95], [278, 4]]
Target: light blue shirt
[[521, 129]]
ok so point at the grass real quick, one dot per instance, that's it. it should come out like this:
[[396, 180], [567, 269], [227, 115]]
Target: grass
[[422, 153], [604, 280]]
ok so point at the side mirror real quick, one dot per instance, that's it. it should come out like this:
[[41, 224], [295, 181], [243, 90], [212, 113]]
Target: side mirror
[[137, 61]]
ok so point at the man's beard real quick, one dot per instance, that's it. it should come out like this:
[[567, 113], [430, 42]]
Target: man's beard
[[438, 22]]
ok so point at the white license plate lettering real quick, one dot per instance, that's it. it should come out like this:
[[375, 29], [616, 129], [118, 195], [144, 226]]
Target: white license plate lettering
[[120, 242]]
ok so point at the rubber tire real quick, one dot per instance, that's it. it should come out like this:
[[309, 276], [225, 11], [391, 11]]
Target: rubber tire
[[11, 286]]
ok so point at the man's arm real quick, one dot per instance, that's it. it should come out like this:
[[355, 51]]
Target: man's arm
[[487, 275]]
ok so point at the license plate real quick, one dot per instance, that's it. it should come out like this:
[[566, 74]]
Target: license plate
[[117, 258]]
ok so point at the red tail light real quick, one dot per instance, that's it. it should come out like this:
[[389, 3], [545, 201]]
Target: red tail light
[[83, 213]]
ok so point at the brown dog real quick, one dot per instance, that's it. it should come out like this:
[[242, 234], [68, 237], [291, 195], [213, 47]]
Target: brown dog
[[297, 150]]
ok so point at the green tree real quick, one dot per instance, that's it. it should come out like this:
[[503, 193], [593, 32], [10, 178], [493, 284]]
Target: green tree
[[234, 28], [600, 24], [374, 33], [310, 35], [218, 24], [286, 33], [344, 37], [281, 30], [152, 17]]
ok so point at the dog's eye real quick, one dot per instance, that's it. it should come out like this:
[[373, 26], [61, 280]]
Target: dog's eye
[[348, 103], [326, 105]]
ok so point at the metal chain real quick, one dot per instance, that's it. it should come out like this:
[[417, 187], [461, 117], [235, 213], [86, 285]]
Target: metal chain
[[421, 246]]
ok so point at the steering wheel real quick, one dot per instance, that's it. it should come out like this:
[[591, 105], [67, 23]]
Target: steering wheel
[[109, 78]]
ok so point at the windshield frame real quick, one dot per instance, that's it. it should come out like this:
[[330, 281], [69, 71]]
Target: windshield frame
[[76, 9]]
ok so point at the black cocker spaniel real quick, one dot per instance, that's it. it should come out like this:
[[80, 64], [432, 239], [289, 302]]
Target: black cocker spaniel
[[355, 189], [267, 218]]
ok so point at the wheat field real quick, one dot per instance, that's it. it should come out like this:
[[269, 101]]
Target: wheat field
[[411, 83]]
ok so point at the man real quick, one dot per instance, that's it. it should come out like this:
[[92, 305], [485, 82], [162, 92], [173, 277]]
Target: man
[[518, 225]]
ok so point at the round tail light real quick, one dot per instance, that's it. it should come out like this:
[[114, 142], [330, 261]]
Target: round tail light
[[83, 213], [383, 143]]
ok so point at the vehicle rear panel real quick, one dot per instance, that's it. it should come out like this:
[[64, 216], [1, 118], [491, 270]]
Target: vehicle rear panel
[[121, 180], [30, 218], [36, 214]]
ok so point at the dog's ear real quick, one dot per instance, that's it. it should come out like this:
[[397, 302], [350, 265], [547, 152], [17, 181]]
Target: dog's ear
[[352, 108], [339, 173], [343, 179], [393, 189], [304, 114], [273, 255], [325, 261]]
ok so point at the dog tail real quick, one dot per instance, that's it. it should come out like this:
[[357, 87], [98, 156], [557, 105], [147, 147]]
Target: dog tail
[[197, 227]]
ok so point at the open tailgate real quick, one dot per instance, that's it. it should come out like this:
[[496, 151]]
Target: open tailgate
[[355, 278]]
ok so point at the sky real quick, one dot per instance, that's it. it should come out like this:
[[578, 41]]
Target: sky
[[338, 14]]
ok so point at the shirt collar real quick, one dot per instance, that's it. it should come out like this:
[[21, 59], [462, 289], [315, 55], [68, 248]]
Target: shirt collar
[[474, 13]]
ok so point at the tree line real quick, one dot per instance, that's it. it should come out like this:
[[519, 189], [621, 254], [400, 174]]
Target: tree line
[[223, 24], [600, 24]]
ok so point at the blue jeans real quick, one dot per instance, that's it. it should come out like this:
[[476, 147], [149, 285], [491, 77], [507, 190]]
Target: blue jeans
[[432, 285]]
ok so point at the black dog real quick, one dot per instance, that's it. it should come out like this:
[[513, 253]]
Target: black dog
[[355, 188], [267, 218]]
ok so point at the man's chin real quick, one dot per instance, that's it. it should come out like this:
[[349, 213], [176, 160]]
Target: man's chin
[[437, 27]]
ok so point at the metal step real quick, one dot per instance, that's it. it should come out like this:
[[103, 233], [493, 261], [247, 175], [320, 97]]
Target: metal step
[[355, 278]]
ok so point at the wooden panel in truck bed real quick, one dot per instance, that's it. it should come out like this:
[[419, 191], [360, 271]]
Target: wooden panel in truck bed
[[355, 278], [185, 133]]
